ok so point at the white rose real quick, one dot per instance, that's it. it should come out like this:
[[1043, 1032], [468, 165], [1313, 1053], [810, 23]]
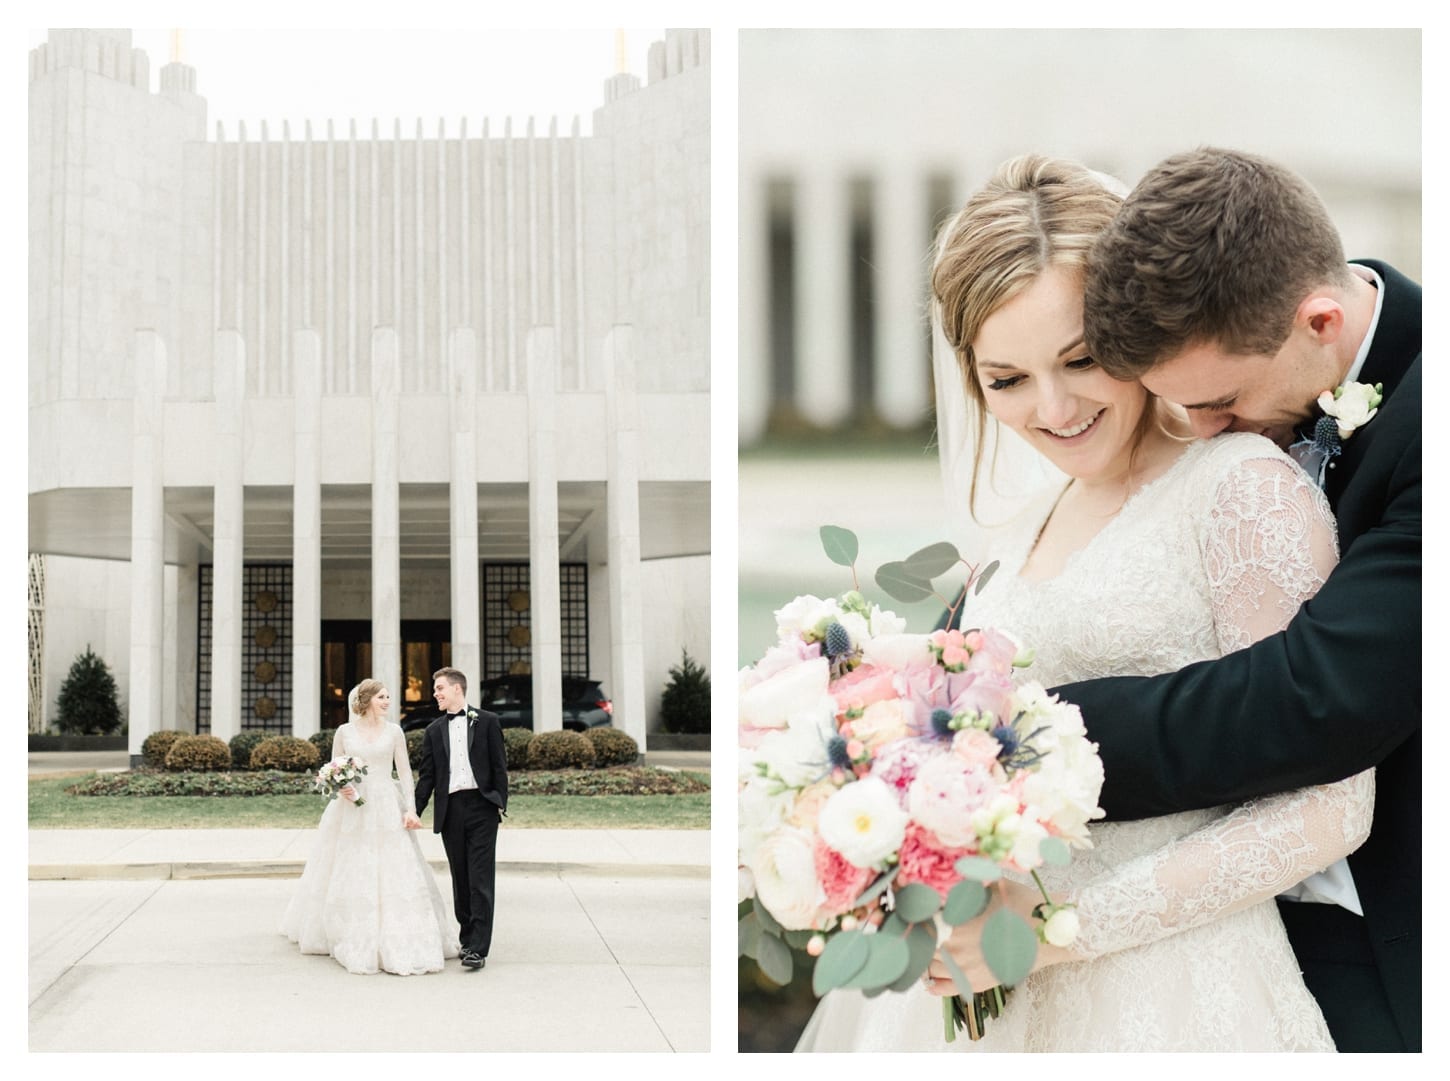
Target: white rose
[[771, 702], [897, 651], [882, 722], [764, 805], [863, 822], [796, 755], [856, 626], [1061, 927], [1027, 839], [805, 615], [884, 622], [1354, 408], [784, 869], [745, 884]]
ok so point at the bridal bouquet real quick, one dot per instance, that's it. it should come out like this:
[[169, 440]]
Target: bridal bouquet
[[888, 779], [338, 774]]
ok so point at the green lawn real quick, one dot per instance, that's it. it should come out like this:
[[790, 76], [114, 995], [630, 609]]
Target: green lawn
[[52, 808]]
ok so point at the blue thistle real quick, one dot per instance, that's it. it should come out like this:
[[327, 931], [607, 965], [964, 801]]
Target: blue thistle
[[837, 754], [1006, 735], [941, 722], [838, 641], [1326, 436]]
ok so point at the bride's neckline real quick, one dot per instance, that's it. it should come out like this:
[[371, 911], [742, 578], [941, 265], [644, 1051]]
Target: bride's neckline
[[1129, 503]]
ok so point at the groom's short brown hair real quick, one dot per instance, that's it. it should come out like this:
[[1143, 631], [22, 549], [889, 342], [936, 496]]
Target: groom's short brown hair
[[1213, 247], [452, 675]]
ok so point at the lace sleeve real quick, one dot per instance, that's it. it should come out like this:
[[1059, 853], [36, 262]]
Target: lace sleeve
[[1268, 546], [400, 763], [337, 751]]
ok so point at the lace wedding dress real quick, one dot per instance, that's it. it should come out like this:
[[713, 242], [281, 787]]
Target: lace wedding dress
[[1186, 950], [367, 896]]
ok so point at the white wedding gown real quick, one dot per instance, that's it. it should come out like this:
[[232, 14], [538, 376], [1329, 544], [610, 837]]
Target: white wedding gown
[[1186, 948], [367, 896]]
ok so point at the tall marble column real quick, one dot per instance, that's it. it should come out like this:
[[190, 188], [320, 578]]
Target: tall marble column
[[546, 638], [902, 371], [229, 383], [147, 542], [823, 297], [386, 630], [626, 630], [463, 506], [307, 534]]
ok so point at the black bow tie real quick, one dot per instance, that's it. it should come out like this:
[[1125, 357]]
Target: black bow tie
[[460, 713]]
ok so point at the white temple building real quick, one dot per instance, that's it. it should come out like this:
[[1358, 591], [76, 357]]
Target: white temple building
[[309, 406]]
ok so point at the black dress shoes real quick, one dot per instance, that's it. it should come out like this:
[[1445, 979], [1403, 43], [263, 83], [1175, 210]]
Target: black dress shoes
[[471, 959]]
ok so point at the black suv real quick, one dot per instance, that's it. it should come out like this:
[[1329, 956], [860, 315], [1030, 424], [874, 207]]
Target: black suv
[[512, 698]]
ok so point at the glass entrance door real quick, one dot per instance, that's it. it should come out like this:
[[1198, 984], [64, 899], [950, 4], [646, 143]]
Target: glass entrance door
[[347, 659]]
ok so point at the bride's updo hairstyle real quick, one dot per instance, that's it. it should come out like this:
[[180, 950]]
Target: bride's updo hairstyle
[[363, 694], [1035, 212]]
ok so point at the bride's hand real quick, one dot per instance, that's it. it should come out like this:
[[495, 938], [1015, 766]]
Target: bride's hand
[[964, 945], [348, 792], [411, 821]]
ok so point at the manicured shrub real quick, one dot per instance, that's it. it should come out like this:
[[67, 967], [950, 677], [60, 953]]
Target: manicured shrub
[[287, 753], [516, 747], [612, 747], [241, 746], [415, 748], [156, 746], [87, 704], [560, 750], [685, 704], [198, 754], [323, 742]]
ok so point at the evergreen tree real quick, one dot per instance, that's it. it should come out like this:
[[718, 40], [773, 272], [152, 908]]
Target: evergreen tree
[[87, 703], [685, 705]]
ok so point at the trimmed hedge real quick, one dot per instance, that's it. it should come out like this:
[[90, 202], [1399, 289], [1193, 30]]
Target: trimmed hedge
[[560, 750], [516, 747], [198, 753], [242, 745], [414, 740], [612, 747], [323, 742], [287, 753], [156, 746]]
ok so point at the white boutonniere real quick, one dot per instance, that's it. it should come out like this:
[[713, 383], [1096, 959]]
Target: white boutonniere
[[1352, 405], [472, 715]]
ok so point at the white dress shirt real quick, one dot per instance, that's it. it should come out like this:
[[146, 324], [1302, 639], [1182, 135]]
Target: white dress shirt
[[460, 770]]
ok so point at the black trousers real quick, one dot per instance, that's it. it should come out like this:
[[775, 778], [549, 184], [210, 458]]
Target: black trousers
[[470, 839], [1333, 949]]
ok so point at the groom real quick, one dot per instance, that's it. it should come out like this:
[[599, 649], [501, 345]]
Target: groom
[[463, 756], [1222, 286]]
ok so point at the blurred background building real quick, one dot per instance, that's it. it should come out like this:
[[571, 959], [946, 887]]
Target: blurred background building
[[854, 145], [312, 405]]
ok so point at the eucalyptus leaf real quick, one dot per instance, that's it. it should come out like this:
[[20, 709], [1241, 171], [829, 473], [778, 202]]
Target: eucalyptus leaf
[[748, 935], [933, 560], [921, 944], [1055, 851], [979, 868], [986, 575], [894, 925], [774, 959], [768, 923], [1009, 946], [901, 584], [886, 962], [840, 544], [844, 956], [877, 888], [798, 939], [965, 902], [916, 902]]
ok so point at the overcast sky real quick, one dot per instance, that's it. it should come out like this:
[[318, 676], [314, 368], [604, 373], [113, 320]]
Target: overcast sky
[[294, 74]]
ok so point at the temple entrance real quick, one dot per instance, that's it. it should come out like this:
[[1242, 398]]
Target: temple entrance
[[347, 658]]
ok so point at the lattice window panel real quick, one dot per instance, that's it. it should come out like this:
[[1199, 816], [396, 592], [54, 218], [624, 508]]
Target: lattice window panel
[[507, 648], [35, 635], [266, 648]]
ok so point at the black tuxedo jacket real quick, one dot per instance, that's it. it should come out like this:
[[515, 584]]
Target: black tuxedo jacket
[[485, 755], [1336, 692]]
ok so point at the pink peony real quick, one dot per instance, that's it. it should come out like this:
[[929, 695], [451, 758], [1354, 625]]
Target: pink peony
[[897, 765], [931, 689], [863, 686], [944, 795], [785, 654], [995, 654], [842, 880], [926, 860]]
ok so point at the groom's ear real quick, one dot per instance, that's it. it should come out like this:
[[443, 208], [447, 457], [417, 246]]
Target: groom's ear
[[1322, 316]]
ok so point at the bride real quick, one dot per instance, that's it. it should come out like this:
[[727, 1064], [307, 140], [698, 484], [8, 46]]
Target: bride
[[367, 896], [1156, 552]]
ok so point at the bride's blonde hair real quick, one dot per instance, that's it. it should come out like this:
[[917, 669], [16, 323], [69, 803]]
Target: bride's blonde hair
[[1035, 212], [362, 696]]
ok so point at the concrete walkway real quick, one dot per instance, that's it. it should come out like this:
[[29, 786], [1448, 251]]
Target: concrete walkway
[[167, 940]]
